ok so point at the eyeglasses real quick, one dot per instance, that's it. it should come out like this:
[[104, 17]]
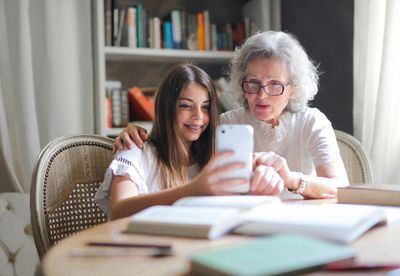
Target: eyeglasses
[[274, 88]]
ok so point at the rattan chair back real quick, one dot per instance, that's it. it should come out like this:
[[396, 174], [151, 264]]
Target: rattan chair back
[[65, 179], [356, 161]]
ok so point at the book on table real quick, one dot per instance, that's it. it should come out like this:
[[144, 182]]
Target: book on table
[[212, 217], [275, 255], [388, 195], [342, 223], [201, 217]]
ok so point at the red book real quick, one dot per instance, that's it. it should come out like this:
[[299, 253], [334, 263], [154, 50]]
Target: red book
[[108, 112], [141, 106]]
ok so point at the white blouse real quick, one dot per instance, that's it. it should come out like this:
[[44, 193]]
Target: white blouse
[[305, 139], [141, 167]]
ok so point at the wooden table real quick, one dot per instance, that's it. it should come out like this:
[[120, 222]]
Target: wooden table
[[379, 245]]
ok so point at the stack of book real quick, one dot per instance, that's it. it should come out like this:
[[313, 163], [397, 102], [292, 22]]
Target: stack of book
[[125, 105], [386, 195], [117, 105]]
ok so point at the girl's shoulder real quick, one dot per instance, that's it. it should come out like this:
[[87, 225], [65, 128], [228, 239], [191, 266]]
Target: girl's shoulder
[[137, 154]]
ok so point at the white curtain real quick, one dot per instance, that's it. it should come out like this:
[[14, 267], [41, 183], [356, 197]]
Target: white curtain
[[377, 84], [46, 87]]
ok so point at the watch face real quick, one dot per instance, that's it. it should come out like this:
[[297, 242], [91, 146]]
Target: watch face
[[302, 186]]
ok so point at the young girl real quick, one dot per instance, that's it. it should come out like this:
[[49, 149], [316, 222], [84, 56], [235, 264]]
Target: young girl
[[181, 146]]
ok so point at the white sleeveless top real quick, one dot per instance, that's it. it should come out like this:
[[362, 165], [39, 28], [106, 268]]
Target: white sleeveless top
[[141, 167]]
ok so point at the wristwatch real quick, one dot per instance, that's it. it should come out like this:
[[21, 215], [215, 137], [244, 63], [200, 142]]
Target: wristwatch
[[301, 188]]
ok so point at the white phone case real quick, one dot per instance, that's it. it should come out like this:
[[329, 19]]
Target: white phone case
[[238, 138]]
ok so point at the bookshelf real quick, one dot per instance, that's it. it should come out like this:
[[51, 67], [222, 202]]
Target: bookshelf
[[146, 66], [166, 55]]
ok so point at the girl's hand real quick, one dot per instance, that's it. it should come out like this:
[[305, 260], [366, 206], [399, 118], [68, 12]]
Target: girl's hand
[[131, 132], [266, 181], [211, 181], [280, 165]]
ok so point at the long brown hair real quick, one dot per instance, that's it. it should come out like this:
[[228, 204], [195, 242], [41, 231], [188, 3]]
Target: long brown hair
[[173, 156]]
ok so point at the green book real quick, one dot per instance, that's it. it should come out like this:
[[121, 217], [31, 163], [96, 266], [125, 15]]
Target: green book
[[273, 255], [139, 25]]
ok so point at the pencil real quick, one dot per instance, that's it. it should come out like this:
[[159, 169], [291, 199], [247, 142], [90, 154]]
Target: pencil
[[136, 245]]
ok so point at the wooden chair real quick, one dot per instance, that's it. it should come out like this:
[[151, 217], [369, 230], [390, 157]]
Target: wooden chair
[[65, 179], [356, 161]]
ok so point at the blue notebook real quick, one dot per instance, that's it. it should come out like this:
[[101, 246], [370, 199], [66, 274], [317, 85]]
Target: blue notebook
[[273, 255]]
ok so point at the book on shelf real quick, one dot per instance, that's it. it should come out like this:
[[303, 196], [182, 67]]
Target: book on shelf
[[121, 28], [141, 106], [369, 194], [184, 29], [140, 26], [119, 107], [199, 217], [131, 27], [108, 22], [200, 32], [108, 112], [156, 33], [176, 29], [167, 35], [284, 254], [115, 21], [207, 40]]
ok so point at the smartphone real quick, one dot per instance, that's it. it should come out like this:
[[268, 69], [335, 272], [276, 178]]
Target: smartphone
[[239, 139]]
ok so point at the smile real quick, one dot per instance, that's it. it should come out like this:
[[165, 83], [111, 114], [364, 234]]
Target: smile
[[194, 127]]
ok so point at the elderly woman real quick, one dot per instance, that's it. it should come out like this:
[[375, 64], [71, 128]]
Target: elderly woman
[[275, 80]]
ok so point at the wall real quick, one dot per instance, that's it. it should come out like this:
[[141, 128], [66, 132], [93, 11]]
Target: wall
[[325, 29]]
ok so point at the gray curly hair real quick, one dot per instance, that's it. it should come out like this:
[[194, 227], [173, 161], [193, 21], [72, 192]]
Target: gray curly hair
[[284, 47]]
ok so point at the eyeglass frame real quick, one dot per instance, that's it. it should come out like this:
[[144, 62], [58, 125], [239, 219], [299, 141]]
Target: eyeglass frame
[[284, 85]]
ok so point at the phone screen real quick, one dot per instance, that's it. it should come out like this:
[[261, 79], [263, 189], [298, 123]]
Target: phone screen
[[239, 139]]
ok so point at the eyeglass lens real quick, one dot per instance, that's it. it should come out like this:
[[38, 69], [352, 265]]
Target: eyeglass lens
[[270, 88]]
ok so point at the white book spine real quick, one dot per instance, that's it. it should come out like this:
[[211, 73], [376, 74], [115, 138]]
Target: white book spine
[[131, 20], [157, 33], [176, 29], [115, 27]]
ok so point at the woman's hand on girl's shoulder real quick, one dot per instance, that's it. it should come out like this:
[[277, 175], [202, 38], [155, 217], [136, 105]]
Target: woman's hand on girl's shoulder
[[129, 135]]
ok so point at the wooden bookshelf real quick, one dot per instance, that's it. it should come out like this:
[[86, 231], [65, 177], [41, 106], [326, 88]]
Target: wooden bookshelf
[[166, 55], [134, 66]]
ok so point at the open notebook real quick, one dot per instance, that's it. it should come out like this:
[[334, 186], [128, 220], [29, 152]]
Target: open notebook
[[212, 217], [199, 217], [335, 222]]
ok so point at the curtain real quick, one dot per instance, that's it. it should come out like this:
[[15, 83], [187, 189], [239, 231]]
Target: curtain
[[46, 87], [377, 84]]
